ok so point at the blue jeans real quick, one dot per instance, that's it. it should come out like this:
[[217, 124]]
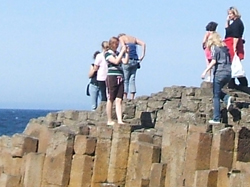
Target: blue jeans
[[94, 94], [129, 71], [218, 82]]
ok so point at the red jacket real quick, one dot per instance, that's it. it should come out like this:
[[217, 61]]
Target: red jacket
[[240, 47]]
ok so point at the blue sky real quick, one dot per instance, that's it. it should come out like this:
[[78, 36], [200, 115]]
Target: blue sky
[[46, 47]]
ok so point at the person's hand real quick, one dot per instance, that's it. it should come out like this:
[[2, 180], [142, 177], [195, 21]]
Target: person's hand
[[228, 18], [141, 58], [203, 75], [123, 49]]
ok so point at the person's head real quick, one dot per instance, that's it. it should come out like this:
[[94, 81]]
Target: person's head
[[95, 54], [233, 13], [105, 46], [113, 43], [215, 39], [120, 35], [211, 26]]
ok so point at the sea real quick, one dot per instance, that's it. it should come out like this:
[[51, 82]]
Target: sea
[[15, 120]]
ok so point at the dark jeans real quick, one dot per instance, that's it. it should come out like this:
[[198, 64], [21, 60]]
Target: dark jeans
[[102, 87], [218, 83]]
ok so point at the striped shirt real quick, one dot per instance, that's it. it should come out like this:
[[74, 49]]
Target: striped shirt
[[113, 69]]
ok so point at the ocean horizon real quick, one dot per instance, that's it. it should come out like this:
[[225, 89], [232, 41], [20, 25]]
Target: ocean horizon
[[15, 120]]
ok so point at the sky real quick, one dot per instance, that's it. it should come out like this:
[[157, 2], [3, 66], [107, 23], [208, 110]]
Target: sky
[[46, 47]]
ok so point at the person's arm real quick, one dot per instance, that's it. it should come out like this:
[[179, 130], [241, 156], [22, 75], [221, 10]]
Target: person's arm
[[209, 67], [143, 45], [227, 22], [235, 42], [205, 40], [121, 40], [91, 71], [97, 62], [117, 60], [212, 63], [126, 58]]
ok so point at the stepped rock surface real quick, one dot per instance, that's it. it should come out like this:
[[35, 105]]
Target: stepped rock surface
[[167, 142]]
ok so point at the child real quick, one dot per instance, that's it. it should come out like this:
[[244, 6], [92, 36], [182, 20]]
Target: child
[[222, 73], [210, 28]]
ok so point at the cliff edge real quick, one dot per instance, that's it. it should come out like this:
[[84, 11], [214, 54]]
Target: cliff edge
[[166, 142]]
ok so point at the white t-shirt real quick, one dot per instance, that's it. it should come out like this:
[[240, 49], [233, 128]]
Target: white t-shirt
[[103, 67]]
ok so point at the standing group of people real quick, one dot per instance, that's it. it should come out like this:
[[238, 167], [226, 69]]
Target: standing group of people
[[112, 75], [219, 55]]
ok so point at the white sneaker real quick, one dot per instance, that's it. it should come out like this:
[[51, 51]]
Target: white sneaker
[[213, 122], [229, 103]]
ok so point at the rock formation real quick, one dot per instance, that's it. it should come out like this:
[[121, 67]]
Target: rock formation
[[167, 142]]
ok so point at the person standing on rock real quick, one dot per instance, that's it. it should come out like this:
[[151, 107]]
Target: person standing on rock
[[102, 69], [115, 78], [210, 28], [222, 74], [93, 85], [233, 39], [134, 62]]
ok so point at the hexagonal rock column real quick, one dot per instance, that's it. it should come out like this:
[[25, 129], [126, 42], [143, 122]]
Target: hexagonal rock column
[[33, 169], [119, 154], [102, 155], [222, 149], [174, 142], [57, 164]]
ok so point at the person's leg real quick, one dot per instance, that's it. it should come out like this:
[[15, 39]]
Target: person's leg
[[132, 81], [109, 111], [243, 81], [99, 95], [231, 83], [102, 86], [94, 96], [118, 102], [111, 83], [223, 96], [126, 74], [209, 72], [118, 109], [216, 98]]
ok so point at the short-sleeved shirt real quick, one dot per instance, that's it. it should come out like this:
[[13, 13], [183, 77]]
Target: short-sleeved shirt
[[223, 63], [235, 29], [103, 67], [113, 69]]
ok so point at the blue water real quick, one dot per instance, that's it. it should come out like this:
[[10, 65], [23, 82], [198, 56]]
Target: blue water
[[15, 120]]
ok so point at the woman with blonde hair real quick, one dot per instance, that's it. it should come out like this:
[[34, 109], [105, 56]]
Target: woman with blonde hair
[[233, 39], [222, 74]]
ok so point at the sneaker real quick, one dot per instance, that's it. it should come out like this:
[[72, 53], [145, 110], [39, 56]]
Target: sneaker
[[229, 103], [213, 122]]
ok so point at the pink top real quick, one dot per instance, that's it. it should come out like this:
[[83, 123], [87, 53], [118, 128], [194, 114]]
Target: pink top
[[208, 54], [103, 67], [207, 51]]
